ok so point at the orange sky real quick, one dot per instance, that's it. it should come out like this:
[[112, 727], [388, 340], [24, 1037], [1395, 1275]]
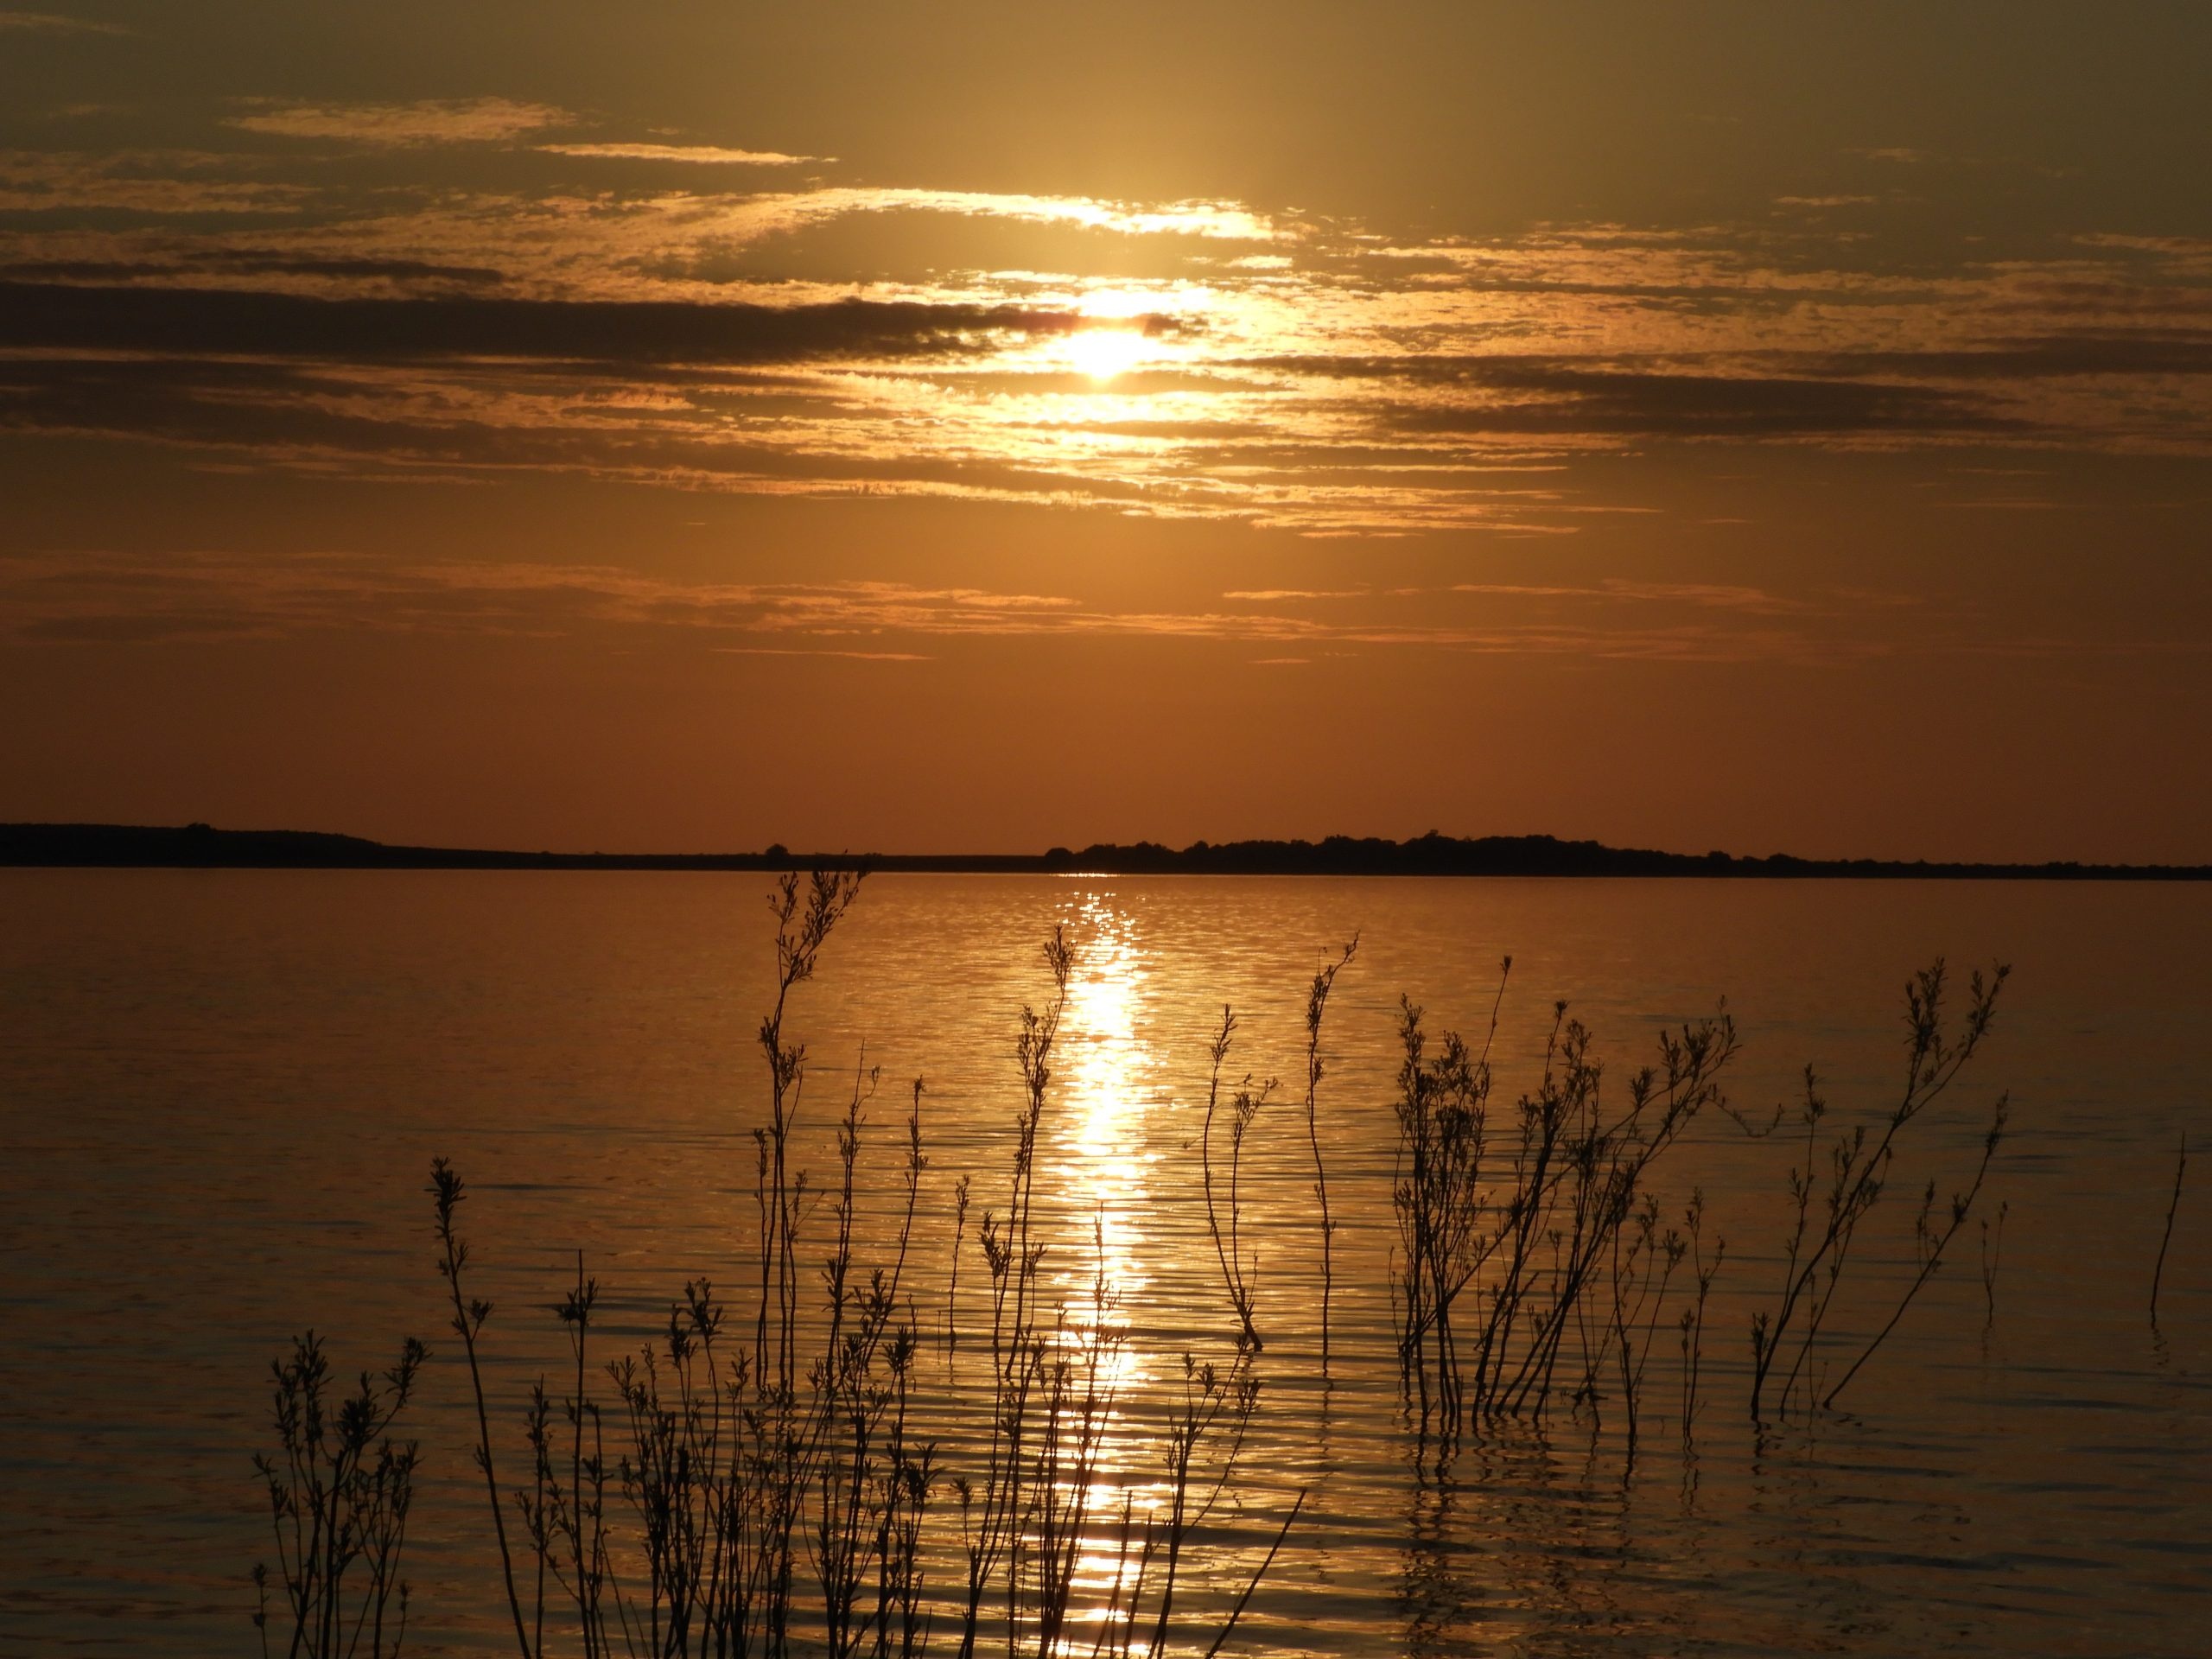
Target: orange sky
[[972, 427]]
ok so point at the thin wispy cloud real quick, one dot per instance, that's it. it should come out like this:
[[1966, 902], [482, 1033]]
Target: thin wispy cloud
[[699, 155], [53, 22], [1275, 595], [119, 600], [434, 121], [852, 656], [166, 188], [1709, 595]]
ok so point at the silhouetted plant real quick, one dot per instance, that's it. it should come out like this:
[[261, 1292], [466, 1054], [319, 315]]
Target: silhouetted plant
[[1703, 1273], [2173, 1206], [999, 1506], [960, 1197], [1437, 1196], [1992, 1256], [773, 1488], [468, 1316], [747, 1469], [339, 1493], [1237, 1270], [1317, 1003], [566, 1522], [1929, 1244], [1572, 1213], [1814, 1255], [1642, 1272]]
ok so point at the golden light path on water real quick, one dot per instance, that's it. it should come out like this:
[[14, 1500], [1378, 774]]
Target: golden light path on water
[[1112, 1077]]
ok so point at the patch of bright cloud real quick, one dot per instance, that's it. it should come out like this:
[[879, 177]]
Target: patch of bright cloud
[[1218, 220], [703, 154]]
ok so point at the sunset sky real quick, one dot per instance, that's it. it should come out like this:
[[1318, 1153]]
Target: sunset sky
[[965, 426]]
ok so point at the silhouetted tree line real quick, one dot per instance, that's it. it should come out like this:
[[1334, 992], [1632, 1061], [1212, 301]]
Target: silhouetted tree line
[[198, 845]]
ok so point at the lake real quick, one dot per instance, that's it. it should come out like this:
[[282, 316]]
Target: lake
[[223, 1090]]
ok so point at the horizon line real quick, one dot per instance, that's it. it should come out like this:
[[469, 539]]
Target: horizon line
[[199, 845]]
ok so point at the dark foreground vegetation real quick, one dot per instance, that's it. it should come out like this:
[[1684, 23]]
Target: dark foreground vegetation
[[854, 1454], [199, 846], [757, 1481]]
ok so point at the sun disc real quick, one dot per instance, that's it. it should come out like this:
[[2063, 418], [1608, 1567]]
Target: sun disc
[[1102, 354]]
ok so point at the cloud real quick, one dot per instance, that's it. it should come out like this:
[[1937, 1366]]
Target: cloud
[[857, 656], [1657, 405], [2140, 351], [766, 215], [117, 599], [702, 155], [447, 121], [1709, 596], [217, 322], [668, 325], [1513, 395], [48, 22], [170, 184], [245, 262]]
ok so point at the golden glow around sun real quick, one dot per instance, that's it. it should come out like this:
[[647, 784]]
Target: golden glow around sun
[[1102, 354]]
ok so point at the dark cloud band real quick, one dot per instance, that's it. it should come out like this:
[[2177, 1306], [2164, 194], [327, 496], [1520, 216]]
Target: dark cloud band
[[55, 316]]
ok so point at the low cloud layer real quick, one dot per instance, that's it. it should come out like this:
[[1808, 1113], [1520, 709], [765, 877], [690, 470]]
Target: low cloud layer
[[119, 599]]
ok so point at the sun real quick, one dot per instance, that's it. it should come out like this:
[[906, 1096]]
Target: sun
[[1102, 354]]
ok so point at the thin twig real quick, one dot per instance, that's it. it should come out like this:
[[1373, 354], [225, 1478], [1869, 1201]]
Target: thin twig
[[2159, 1273], [1238, 1611]]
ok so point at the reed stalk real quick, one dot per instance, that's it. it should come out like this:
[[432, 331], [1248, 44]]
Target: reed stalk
[[1992, 1256], [1703, 1273], [2173, 1205], [468, 1316], [1317, 1003], [1237, 1271]]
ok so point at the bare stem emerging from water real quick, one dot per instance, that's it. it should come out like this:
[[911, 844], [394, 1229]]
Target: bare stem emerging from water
[[2159, 1273], [1317, 1002]]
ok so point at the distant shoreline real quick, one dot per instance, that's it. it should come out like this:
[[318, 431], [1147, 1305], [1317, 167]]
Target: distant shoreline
[[108, 846]]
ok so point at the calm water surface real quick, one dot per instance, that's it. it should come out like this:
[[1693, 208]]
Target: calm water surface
[[222, 1092]]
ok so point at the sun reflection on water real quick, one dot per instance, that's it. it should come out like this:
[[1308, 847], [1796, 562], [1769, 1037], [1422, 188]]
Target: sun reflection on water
[[1110, 1076], [1107, 1169], [1105, 1172]]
